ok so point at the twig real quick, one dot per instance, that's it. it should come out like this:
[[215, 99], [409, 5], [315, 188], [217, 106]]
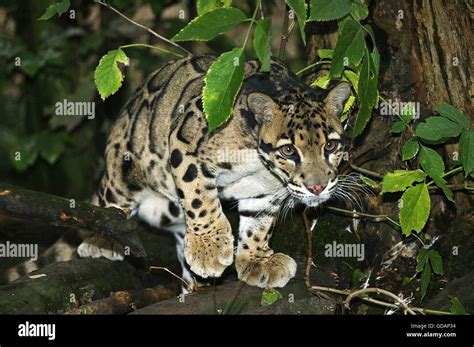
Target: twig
[[354, 214], [351, 294], [152, 47], [309, 261], [252, 21], [154, 33], [284, 35], [366, 172], [290, 29], [262, 15], [378, 291], [188, 286]]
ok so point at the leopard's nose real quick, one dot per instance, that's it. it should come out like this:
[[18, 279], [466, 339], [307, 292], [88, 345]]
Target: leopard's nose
[[316, 188]]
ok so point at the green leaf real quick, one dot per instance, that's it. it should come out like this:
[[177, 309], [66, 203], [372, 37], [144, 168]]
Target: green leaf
[[375, 56], [349, 47], [453, 114], [398, 127], [421, 259], [222, 83], [400, 179], [323, 10], [456, 306], [325, 53], [437, 129], [210, 24], [352, 78], [348, 106], [367, 93], [408, 112], [204, 6], [375, 52], [436, 262], [370, 182], [415, 208], [466, 146], [425, 279], [299, 8], [262, 43], [359, 10], [357, 277], [321, 81], [431, 162], [58, 8], [270, 296], [441, 182], [108, 77], [410, 149]]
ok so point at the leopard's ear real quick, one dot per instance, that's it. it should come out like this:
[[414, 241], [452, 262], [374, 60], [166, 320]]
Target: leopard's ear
[[262, 106], [335, 100]]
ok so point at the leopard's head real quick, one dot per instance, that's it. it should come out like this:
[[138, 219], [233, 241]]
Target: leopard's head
[[301, 139]]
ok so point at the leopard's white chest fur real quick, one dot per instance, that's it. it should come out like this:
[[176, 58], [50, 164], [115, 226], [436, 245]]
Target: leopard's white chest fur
[[248, 180]]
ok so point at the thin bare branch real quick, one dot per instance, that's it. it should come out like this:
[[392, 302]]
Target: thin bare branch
[[284, 34], [381, 292], [154, 33], [316, 290], [188, 285]]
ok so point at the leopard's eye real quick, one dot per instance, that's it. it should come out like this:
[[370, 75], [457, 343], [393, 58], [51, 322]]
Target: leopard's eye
[[287, 151], [331, 146]]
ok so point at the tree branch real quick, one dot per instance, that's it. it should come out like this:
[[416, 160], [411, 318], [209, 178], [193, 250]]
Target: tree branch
[[48, 209], [124, 302], [154, 33], [284, 35], [316, 290]]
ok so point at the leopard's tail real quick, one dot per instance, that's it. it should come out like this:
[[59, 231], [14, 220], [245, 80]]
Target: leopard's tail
[[64, 249]]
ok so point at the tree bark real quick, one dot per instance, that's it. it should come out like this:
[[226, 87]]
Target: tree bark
[[124, 302], [240, 298], [435, 38], [66, 285], [426, 57], [48, 209]]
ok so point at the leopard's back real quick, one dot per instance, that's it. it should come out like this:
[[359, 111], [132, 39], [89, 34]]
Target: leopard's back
[[137, 152]]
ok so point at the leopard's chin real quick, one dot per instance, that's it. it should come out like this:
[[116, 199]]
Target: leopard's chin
[[309, 199], [315, 201]]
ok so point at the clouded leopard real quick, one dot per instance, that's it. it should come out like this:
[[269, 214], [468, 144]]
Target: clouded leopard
[[283, 142]]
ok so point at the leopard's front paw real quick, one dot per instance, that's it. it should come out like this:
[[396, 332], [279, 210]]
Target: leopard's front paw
[[209, 254], [272, 271]]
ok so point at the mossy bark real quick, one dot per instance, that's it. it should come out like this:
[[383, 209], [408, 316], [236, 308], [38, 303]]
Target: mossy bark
[[48, 209], [66, 285]]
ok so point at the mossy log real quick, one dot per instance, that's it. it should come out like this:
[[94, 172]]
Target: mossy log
[[240, 298], [67, 285], [125, 301], [48, 209]]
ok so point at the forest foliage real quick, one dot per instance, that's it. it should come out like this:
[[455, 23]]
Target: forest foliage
[[44, 140]]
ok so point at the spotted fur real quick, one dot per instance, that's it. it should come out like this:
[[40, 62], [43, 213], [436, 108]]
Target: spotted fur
[[164, 165]]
